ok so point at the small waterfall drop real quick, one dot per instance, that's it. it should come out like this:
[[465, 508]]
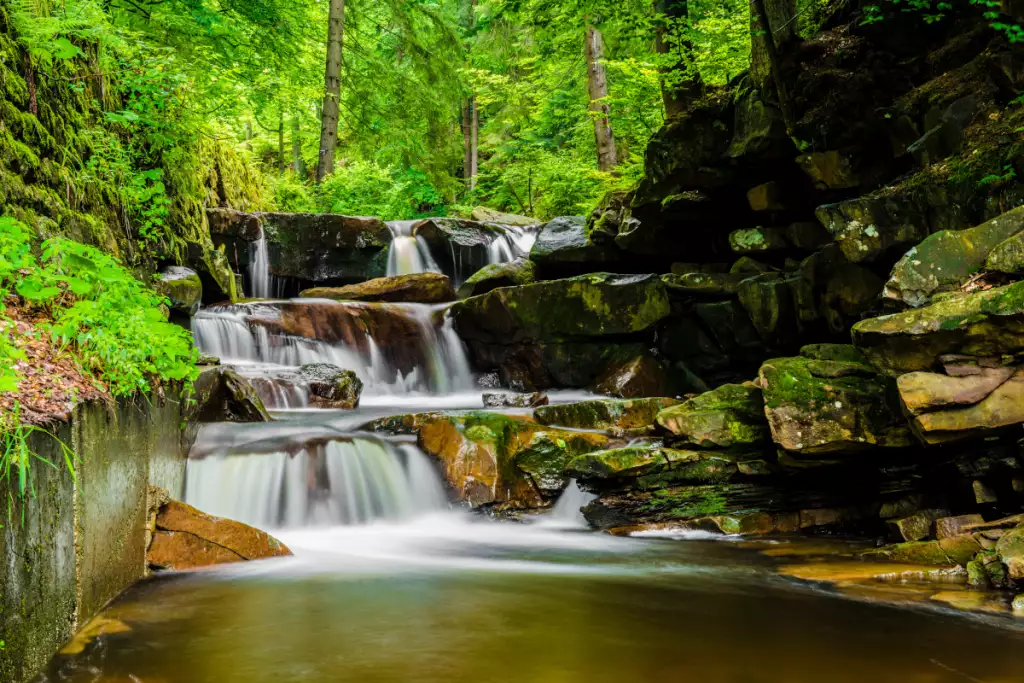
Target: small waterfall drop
[[408, 254], [566, 512], [353, 481], [259, 269]]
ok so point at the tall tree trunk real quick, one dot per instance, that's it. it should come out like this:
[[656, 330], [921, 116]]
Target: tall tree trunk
[[762, 32], [467, 140], [332, 90], [474, 144], [597, 82], [298, 165], [280, 142], [678, 88], [781, 15], [470, 115]]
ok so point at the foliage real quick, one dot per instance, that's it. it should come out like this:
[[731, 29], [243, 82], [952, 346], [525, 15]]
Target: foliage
[[16, 457]]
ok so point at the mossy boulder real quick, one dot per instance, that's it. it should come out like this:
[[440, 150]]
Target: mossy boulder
[[781, 306], [1002, 407], [442, 234], [606, 414], [545, 456], [182, 287], [520, 271], [946, 260], [423, 288], [757, 240], [829, 170], [731, 415], [322, 248], [594, 305], [220, 394], [817, 406], [331, 386], [1010, 549], [983, 324], [703, 285], [618, 462], [565, 243]]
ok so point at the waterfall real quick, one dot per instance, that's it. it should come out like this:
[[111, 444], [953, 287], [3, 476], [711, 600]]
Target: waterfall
[[408, 254], [353, 481], [566, 512], [393, 348], [259, 269]]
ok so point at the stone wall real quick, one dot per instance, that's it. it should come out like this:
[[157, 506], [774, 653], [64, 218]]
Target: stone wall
[[68, 550]]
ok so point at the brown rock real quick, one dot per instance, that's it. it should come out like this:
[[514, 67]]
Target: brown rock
[[829, 170], [916, 527], [640, 377], [186, 538], [947, 527], [924, 391], [983, 493], [424, 288], [766, 197], [1002, 408]]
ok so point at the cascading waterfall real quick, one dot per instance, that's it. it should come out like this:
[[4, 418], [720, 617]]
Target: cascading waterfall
[[339, 482], [408, 254], [259, 269], [566, 512]]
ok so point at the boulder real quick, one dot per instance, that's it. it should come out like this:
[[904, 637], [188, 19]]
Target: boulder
[[951, 527], [222, 395], [829, 170], [1010, 549], [703, 285], [731, 415], [520, 271], [423, 288], [1008, 256], [605, 414], [234, 224], [917, 526], [331, 386], [443, 234], [326, 248], [820, 405], [781, 306], [757, 240], [611, 216], [182, 538], [981, 324], [182, 287], [1003, 407], [485, 215], [509, 399], [867, 228], [925, 391], [766, 197], [564, 244], [759, 129], [946, 260], [643, 376]]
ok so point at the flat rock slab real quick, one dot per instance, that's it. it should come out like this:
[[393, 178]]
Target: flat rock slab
[[423, 288]]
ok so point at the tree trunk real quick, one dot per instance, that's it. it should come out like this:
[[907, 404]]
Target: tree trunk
[[781, 15], [474, 144], [763, 26], [470, 116], [332, 90], [467, 140], [280, 143], [678, 87], [298, 165], [597, 81]]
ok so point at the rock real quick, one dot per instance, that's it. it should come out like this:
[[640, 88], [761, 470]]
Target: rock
[[982, 324], [321, 248], [1002, 408], [1010, 549], [1017, 605], [925, 391], [828, 170], [423, 288], [182, 287], [917, 526], [914, 552], [521, 271], [509, 399], [830, 406], [485, 215], [336, 388], [594, 305], [866, 228], [731, 415], [710, 285], [766, 197], [780, 306], [946, 260], [1008, 256], [564, 243], [607, 414], [547, 454], [641, 377], [185, 538], [760, 131], [948, 527], [748, 266], [222, 395], [807, 235], [236, 224], [611, 216], [757, 240], [983, 493], [945, 138]]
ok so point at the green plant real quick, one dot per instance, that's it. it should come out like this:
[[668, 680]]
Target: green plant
[[1008, 173], [16, 456]]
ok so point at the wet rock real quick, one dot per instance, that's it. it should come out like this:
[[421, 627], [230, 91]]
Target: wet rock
[[914, 552], [547, 454], [1003, 407], [331, 386], [731, 415], [235, 224], [185, 538], [697, 284], [640, 377], [222, 395], [323, 248], [485, 215], [982, 324], [817, 405], [917, 526], [564, 244], [925, 391], [757, 240], [424, 288], [868, 227], [946, 260], [618, 462], [829, 170], [950, 527], [1010, 549], [606, 414], [521, 271], [508, 399], [182, 287]]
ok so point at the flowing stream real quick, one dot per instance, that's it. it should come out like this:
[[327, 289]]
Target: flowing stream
[[389, 583]]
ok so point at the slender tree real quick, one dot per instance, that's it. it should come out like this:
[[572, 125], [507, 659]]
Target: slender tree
[[597, 82], [332, 90], [298, 165], [763, 37], [680, 84]]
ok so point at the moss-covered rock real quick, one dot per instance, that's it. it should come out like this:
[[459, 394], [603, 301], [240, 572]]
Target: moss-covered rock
[[731, 415], [520, 271], [182, 287], [757, 240], [423, 288], [923, 392], [331, 386], [546, 455], [984, 324], [830, 406], [222, 395], [326, 248], [1010, 549], [619, 462], [829, 170], [697, 284], [946, 260], [605, 414], [564, 243]]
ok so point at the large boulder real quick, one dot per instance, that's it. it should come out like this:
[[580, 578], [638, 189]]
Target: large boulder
[[220, 394], [423, 288], [564, 245], [605, 414], [459, 246], [332, 387], [982, 324], [1010, 549], [829, 400], [182, 537], [326, 248], [730, 416], [182, 287], [946, 260], [639, 377], [520, 271], [946, 408]]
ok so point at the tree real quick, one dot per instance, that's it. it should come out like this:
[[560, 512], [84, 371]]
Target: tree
[[332, 90], [681, 83], [763, 39], [597, 84]]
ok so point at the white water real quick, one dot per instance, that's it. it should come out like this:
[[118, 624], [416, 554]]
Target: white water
[[566, 512], [259, 269], [408, 254]]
